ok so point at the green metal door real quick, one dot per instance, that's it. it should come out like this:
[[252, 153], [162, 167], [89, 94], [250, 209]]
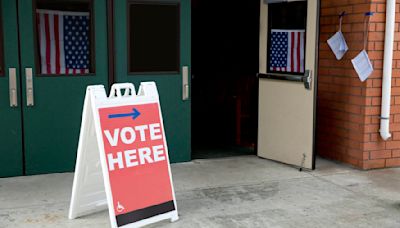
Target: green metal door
[[52, 122], [152, 43], [11, 157], [40, 135]]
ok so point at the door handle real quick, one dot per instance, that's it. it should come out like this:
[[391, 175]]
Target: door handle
[[307, 79], [12, 74], [29, 87], [185, 83]]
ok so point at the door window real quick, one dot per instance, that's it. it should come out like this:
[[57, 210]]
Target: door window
[[153, 37], [286, 37], [65, 37]]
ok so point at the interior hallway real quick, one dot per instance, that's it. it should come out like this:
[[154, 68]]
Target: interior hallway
[[243, 191]]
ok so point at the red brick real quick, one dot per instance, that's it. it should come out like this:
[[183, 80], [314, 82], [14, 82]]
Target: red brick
[[380, 154], [393, 162], [396, 153], [365, 156], [374, 164], [374, 146], [381, 8], [392, 144]]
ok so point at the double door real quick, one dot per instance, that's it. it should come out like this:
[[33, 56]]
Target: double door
[[50, 51]]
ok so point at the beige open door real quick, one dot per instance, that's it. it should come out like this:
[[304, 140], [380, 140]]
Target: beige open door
[[287, 81]]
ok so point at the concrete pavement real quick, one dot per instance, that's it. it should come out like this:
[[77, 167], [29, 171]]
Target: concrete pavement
[[243, 191]]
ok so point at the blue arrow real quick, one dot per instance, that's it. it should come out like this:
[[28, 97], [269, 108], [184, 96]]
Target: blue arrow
[[134, 114]]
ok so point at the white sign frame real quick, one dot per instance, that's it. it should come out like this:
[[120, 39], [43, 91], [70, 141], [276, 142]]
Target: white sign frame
[[91, 191]]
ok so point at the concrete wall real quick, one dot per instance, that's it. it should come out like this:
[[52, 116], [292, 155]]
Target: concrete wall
[[348, 109]]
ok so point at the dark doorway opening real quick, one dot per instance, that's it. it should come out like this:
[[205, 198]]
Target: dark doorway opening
[[225, 42]]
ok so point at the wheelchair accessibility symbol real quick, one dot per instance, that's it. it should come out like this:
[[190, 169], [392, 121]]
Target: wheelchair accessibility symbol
[[120, 208]]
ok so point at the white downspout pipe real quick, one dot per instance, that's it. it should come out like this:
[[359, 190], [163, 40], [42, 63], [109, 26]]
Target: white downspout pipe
[[387, 69]]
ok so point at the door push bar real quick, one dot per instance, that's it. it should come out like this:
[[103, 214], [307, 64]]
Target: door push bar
[[306, 78]]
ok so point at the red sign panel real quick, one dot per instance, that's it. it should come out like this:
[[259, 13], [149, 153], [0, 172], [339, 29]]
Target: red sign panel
[[137, 161]]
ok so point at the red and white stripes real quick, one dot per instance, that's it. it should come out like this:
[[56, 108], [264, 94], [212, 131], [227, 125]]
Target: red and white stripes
[[295, 61], [51, 43]]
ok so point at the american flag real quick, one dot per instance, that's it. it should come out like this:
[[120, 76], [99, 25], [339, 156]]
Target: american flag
[[63, 42], [287, 51]]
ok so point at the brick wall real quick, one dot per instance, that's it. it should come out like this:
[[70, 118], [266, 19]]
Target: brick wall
[[348, 110]]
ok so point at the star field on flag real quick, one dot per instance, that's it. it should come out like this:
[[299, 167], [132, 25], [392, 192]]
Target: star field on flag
[[64, 41], [287, 51]]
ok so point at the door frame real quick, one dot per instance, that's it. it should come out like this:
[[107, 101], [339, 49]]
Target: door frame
[[315, 121]]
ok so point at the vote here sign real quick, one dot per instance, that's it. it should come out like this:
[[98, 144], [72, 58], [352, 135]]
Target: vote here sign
[[137, 160]]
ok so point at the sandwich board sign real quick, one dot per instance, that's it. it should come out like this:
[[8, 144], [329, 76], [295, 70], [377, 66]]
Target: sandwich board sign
[[122, 160]]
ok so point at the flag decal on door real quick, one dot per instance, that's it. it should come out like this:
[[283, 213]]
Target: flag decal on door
[[63, 41], [286, 52]]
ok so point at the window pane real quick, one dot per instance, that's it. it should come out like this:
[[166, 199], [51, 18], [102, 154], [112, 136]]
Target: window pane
[[286, 37], [153, 37], [64, 37]]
